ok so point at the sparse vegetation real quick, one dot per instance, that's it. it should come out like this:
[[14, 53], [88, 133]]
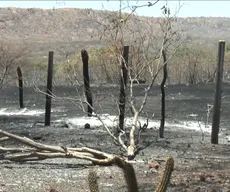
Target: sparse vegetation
[[67, 31], [11, 56]]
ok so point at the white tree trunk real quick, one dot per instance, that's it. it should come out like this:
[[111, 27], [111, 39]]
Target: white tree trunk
[[132, 146]]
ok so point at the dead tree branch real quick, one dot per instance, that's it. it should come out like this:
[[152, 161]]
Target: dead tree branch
[[41, 151]]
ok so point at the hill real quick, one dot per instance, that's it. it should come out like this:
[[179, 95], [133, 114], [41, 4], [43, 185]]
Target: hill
[[71, 29]]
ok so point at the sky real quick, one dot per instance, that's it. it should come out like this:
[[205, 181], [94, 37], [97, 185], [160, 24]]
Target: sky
[[187, 8]]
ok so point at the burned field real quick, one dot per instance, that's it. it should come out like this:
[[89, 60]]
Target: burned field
[[199, 165]]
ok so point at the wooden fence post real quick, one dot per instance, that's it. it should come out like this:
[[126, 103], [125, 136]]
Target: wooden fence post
[[20, 86], [165, 75], [49, 89], [217, 101], [88, 93], [123, 83]]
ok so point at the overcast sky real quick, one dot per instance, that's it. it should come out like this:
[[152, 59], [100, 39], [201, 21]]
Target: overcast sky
[[188, 8]]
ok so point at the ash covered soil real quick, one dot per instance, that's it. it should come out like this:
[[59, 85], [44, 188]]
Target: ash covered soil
[[199, 165]]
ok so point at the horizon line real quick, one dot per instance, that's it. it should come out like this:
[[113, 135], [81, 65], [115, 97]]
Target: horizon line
[[58, 8]]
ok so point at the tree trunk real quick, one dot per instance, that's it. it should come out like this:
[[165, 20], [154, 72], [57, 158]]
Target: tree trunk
[[123, 83], [132, 146], [88, 93], [20, 85], [217, 102], [163, 95], [49, 89]]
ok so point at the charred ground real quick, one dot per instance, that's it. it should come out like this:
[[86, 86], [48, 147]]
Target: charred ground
[[199, 166]]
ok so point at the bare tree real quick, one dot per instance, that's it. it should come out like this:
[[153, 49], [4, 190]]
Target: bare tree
[[11, 56], [117, 29]]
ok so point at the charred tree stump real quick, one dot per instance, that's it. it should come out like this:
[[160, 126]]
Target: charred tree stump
[[165, 75], [123, 83], [49, 89], [88, 93], [20, 86], [217, 101]]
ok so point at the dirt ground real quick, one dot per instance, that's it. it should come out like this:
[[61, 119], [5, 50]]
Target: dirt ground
[[199, 166]]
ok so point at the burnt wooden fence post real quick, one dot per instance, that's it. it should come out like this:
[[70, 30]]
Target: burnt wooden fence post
[[165, 75], [123, 83], [217, 101], [20, 86], [49, 89], [88, 93]]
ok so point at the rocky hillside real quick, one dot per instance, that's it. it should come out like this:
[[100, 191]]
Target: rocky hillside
[[73, 29]]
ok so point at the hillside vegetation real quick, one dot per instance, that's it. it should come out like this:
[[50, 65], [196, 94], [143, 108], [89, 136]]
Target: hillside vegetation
[[80, 27], [68, 30]]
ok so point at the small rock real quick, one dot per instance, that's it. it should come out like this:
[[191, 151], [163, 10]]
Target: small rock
[[87, 126], [65, 125], [154, 165], [53, 190], [202, 178], [37, 137]]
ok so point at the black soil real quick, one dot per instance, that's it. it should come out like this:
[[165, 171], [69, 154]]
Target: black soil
[[199, 165]]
